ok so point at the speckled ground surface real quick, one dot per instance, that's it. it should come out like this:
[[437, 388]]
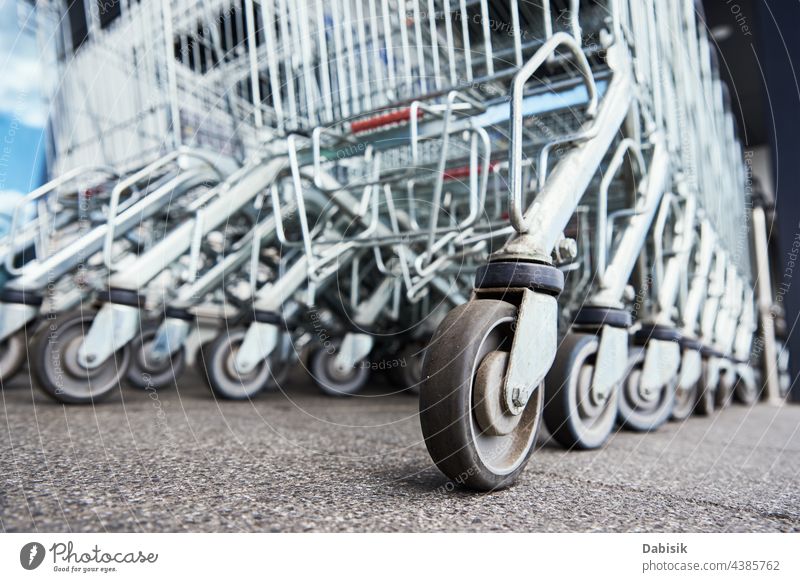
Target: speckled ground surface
[[300, 461]]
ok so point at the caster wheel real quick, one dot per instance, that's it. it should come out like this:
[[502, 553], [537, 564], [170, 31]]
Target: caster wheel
[[575, 415], [639, 410], [685, 401], [13, 352], [707, 389], [727, 381], [747, 389], [332, 380], [55, 364], [278, 373], [147, 373], [407, 375], [785, 383], [218, 359], [784, 374], [469, 435]]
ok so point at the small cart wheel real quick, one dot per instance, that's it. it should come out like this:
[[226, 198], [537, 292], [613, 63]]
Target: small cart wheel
[[222, 376], [13, 352], [331, 379], [707, 388], [746, 391], [464, 372], [685, 402], [577, 416], [727, 381], [643, 410], [145, 371], [279, 372], [56, 367], [406, 375]]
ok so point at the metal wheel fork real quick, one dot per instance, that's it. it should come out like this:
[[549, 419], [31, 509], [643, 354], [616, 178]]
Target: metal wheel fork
[[533, 349], [611, 363], [357, 346], [661, 363], [113, 328]]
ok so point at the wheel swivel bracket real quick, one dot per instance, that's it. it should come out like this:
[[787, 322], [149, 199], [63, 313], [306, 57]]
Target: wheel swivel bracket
[[533, 349]]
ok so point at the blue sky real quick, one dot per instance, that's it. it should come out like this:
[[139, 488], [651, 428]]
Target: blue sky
[[23, 113]]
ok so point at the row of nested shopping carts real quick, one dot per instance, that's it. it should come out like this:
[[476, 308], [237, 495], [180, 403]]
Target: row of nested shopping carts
[[521, 210]]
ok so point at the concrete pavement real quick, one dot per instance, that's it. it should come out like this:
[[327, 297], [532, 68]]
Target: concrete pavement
[[300, 461]]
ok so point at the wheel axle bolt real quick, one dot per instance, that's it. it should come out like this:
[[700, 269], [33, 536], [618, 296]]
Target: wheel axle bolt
[[568, 249]]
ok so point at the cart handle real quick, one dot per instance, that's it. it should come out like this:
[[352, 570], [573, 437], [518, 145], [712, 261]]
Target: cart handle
[[131, 180], [39, 193], [560, 39], [626, 146]]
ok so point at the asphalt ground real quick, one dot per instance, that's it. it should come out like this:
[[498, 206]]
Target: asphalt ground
[[178, 460]]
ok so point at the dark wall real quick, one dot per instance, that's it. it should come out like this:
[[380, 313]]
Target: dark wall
[[758, 45], [779, 51], [734, 28]]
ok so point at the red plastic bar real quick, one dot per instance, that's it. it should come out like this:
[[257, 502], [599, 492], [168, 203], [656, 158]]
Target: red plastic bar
[[382, 120], [463, 171]]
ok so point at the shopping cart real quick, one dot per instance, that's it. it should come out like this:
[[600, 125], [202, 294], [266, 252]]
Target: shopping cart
[[563, 177], [483, 390], [27, 239]]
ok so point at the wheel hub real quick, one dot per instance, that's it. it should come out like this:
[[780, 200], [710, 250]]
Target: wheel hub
[[598, 396], [647, 394], [339, 372], [233, 369], [153, 361], [492, 416], [72, 361]]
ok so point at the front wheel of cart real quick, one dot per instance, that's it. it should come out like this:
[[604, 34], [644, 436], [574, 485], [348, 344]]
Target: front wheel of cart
[[469, 434], [56, 366], [12, 355], [643, 409], [148, 373], [218, 360], [576, 415], [334, 380]]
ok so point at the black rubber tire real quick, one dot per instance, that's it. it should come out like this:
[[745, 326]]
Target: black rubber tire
[[54, 363], [746, 393], [460, 449], [686, 400], [329, 381], [279, 372], [631, 415], [148, 375], [13, 354], [784, 369], [571, 417], [706, 391], [408, 375], [216, 361], [685, 403], [724, 394]]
